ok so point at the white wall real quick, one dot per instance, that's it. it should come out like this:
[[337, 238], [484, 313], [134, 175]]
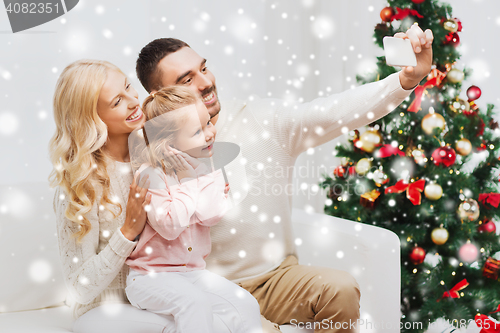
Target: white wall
[[262, 39]]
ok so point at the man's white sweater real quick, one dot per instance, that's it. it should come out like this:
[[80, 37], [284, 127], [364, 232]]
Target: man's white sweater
[[255, 236]]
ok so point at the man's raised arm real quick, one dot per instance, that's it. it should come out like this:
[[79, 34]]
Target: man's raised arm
[[297, 127]]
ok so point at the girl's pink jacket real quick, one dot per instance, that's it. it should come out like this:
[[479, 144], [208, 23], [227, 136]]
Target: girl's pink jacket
[[176, 237]]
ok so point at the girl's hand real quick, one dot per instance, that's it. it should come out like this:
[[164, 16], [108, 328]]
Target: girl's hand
[[188, 158], [226, 189], [182, 168], [138, 200]]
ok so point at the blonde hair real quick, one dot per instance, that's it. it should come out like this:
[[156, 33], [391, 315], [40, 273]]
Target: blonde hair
[[80, 163], [162, 131]]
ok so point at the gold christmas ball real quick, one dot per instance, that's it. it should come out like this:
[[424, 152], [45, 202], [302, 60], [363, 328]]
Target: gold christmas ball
[[463, 147], [363, 166], [439, 235], [468, 210], [455, 76], [459, 106], [418, 156], [451, 25], [433, 191], [369, 140], [380, 177], [432, 121]]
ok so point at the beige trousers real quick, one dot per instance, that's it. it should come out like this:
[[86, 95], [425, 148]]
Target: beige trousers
[[322, 298]]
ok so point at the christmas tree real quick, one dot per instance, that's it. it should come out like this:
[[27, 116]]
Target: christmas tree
[[427, 172]]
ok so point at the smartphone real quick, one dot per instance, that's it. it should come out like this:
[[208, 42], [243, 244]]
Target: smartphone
[[399, 52]]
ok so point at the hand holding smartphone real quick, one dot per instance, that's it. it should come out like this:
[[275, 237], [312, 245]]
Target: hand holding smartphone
[[399, 52]]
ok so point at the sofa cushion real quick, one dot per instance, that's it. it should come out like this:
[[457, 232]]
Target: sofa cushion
[[53, 320]]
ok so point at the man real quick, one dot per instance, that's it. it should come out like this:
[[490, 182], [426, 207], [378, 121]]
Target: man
[[253, 245]]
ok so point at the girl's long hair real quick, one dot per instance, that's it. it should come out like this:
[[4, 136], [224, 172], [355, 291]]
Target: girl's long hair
[[164, 119], [80, 163]]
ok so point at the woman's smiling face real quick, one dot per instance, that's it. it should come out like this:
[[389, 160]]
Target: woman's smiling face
[[118, 105]]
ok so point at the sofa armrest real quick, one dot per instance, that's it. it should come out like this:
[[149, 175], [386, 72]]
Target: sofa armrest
[[370, 254]]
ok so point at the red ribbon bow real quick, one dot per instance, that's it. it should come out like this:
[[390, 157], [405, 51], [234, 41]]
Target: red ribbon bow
[[486, 324], [497, 310], [389, 150], [403, 13], [419, 92], [413, 190], [490, 198], [453, 293]]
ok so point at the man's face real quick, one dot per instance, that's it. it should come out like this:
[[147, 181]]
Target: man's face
[[185, 67]]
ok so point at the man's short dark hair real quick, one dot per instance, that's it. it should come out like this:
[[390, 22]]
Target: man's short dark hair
[[147, 64]]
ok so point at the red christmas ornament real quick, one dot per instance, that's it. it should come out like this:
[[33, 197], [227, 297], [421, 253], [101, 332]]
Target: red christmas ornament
[[452, 38], [386, 14], [487, 226], [418, 2], [417, 255], [473, 93], [444, 155], [339, 171]]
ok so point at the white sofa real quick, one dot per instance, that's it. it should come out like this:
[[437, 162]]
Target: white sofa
[[32, 292]]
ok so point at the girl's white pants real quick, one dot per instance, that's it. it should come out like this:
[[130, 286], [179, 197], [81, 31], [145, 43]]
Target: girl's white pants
[[199, 301]]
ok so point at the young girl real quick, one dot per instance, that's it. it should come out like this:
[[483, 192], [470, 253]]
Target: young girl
[[167, 268]]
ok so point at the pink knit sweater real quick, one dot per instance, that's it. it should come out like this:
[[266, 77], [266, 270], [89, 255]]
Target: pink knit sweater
[[176, 237]]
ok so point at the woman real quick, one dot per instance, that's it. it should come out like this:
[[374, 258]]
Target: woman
[[100, 207]]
